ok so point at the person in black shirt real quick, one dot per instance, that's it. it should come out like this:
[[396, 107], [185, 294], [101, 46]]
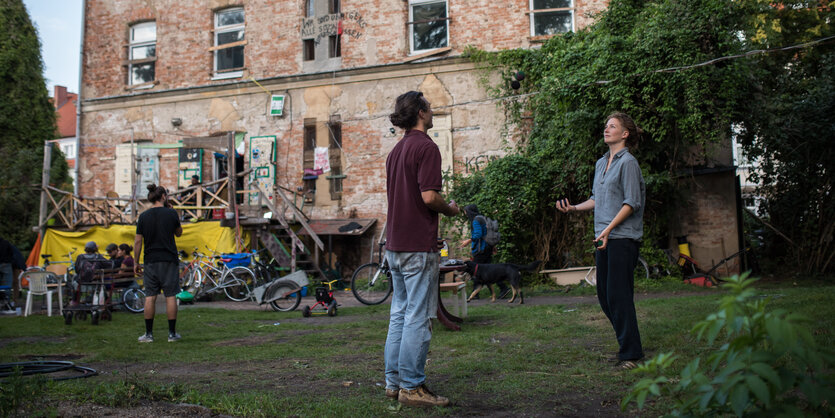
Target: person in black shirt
[[156, 228]]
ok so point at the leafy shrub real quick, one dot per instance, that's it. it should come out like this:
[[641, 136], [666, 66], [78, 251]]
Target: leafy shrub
[[767, 364]]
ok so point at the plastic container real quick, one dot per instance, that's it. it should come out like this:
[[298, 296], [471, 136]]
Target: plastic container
[[238, 260]]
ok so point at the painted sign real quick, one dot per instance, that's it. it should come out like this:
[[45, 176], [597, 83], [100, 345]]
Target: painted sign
[[277, 105], [261, 158]]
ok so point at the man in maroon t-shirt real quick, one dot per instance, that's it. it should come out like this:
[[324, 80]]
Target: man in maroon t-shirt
[[413, 182]]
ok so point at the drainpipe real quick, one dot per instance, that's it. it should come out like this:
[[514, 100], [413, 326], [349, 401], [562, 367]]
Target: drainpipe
[[78, 101]]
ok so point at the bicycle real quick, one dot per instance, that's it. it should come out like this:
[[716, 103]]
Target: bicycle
[[288, 291], [324, 300], [371, 282], [232, 280]]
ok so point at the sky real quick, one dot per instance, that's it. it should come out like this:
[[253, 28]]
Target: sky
[[59, 28]]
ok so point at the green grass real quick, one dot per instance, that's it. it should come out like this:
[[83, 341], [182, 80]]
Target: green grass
[[520, 360]]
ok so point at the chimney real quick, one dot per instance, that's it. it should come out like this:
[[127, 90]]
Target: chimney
[[59, 97]]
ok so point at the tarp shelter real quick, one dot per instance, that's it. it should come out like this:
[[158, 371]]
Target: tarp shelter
[[199, 235]]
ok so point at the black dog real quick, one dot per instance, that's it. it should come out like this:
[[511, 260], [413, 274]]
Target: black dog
[[489, 274]]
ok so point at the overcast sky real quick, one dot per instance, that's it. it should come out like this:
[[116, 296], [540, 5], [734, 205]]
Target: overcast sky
[[59, 28]]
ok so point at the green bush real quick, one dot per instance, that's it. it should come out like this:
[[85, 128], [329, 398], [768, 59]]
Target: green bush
[[767, 364]]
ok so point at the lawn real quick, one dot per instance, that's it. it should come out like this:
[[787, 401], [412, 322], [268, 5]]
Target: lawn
[[544, 358]]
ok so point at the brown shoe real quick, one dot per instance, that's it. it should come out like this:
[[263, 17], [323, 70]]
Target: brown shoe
[[421, 396], [392, 393]]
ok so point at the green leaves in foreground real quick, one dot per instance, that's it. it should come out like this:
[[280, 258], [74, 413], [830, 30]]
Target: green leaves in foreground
[[767, 363]]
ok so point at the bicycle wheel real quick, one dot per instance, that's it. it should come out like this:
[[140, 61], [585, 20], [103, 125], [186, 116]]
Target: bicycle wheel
[[235, 283], [371, 285], [641, 269], [287, 302], [134, 300]]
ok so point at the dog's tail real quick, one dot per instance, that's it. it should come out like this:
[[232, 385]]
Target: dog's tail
[[529, 267]]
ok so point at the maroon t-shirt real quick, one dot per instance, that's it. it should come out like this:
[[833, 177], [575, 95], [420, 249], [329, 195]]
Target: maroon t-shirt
[[412, 167]]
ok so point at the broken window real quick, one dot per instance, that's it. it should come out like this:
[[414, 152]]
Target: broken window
[[335, 156], [142, 54], [309, 155], [551, 17], [229, 43], [428, 25]]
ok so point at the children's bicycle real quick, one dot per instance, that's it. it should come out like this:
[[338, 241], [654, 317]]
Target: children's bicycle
[[324, 300]]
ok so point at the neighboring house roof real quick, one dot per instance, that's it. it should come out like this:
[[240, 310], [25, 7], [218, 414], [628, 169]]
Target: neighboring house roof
[[65, 108]]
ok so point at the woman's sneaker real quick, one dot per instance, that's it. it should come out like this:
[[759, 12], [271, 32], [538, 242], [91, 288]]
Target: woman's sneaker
[[146, 338], [173, 336], [421, 396]]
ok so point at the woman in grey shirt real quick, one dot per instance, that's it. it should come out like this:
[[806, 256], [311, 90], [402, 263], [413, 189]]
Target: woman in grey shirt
[[618, 197]]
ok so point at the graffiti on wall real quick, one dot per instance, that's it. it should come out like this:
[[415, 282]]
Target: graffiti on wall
[[477, 162], [345, 24]]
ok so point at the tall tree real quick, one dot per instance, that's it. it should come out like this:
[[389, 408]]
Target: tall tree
[[27, 119]]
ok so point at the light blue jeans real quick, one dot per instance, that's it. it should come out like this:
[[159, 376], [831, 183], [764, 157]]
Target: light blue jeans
[[414, 302]]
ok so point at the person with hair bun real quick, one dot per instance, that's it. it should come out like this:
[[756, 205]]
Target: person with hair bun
[[618, 197], [156, 229], [413, 185]]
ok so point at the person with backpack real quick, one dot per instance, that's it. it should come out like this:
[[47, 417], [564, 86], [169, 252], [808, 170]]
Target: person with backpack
[[484, 235], [86, 265]]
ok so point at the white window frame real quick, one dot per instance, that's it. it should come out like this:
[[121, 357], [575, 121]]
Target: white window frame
[[217, 48], [412, 3], [133, 44], [532, 12]]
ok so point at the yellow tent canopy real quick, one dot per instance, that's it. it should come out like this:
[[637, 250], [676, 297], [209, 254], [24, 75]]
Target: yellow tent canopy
[[200, 235]]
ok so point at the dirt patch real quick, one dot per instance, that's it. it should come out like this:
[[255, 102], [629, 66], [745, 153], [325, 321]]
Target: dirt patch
[[32, 340], [144, 409], [244, 342]]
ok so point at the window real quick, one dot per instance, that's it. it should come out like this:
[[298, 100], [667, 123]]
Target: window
[[428, 25], [309, 10], [334, 46], [142, 53], [333, 6], [550, 17], [335, 156], [309, 154], [309, 49], [229, 43]]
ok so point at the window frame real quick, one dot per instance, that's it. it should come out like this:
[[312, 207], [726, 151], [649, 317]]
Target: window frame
[[334, 46], [308, 50], [532, 12], [411, 23], [335, 157], [142, 61], [217, 31], [309, 151]]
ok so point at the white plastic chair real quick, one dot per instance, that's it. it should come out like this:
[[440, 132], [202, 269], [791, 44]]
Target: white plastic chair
[[38, 286]]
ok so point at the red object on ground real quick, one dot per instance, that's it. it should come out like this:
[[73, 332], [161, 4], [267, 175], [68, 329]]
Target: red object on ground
[[702, 281]]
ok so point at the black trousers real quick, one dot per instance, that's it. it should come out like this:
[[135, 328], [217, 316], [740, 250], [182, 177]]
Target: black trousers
[[615, 291]]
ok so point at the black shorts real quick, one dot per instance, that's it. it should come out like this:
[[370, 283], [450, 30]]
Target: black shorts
[[162, 275]]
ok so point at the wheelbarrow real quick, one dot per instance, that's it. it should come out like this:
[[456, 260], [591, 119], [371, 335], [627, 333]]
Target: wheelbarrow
[[284, 294]]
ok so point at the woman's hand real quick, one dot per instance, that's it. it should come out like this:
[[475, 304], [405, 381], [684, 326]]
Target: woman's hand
[[602, 240], [564, 206], [465, 243]]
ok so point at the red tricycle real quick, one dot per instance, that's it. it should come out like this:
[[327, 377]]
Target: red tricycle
[[324, 300]]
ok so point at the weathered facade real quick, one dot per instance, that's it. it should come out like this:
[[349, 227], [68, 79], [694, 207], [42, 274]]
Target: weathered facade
[[157, 71]]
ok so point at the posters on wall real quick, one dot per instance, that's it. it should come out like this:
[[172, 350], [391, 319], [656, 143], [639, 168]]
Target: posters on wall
[[261, 157]]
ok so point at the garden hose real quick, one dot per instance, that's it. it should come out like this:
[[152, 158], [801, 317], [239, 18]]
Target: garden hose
[[40, 367]]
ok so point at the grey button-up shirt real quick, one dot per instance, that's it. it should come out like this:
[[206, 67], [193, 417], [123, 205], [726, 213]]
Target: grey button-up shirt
[[622, 184]]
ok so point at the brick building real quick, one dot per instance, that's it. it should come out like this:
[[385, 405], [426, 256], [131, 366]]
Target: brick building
[[65, 108], [296, 80]]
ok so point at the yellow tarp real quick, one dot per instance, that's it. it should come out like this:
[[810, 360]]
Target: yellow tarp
[[200, 235]]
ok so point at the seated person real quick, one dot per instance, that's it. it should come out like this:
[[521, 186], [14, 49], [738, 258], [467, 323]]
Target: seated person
[[86, 264], [113, 253], [127, 259]]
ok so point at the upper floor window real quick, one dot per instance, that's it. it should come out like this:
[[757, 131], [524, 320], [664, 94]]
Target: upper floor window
[[333, 6], [550, 17], [309, 10], [229, 43], [142, 53], [428, 25]]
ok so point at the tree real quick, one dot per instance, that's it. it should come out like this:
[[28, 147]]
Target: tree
[[27, 119], [788, 129], [576, 80]]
